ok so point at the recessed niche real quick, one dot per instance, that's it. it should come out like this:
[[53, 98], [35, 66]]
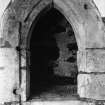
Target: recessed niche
[[53, 58]]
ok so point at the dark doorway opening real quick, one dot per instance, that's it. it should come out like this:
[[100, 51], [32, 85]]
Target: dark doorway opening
[[53, 57]]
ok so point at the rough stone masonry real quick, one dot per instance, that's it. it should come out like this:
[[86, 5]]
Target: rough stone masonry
[[90, 36]]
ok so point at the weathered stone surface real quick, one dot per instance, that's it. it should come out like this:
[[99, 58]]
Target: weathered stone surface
[[91, 86], [72, 102], [28, 10], [24, 8], [10, 103], [78, 17], [89, 32], [9, 75], [89, 28], [81, 60], [91, 60], [71, 14], [9, 30], [66, 63], [29, 21], [23, 85], [23, 61]]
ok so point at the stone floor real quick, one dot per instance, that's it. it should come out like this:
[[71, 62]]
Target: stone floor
[[58, 92]]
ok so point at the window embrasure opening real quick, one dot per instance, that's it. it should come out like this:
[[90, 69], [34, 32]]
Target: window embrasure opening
[[53, 58]]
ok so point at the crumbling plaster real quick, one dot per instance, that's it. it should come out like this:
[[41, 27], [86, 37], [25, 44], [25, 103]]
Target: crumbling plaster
[[89, 31]]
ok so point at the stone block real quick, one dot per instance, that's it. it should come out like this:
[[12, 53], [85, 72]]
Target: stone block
[[9, 75], [91, 60], [91, 86], [9, 30], [23, 85]]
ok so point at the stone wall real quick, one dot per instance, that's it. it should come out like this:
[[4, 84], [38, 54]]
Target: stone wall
[[90, 36], [66, 64]]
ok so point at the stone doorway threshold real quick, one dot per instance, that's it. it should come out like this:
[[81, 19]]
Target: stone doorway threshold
[[72, 102], [57, 93]]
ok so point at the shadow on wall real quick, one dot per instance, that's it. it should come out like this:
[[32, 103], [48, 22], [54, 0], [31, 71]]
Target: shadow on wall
[[103, 19]]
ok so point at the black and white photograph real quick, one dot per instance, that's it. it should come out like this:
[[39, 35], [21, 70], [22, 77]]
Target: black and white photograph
[[52, 52]]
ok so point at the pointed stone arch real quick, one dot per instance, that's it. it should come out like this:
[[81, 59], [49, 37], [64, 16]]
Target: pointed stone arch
[[79, 17], [14, 30]]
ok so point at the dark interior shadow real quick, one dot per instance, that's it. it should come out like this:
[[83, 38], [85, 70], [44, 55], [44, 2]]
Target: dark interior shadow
[[43, 51]]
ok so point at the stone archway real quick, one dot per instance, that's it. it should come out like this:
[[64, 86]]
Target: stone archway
[[14, 30], [80, 22], [53, 56]]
